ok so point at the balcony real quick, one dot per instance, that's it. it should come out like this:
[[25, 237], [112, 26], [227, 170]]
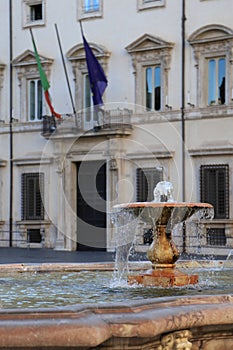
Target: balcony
[[87, 123]]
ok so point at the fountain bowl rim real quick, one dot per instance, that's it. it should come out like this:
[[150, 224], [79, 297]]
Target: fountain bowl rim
[[163, 204]]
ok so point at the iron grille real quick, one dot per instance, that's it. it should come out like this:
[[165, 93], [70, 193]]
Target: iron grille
[[215, 188], [216, 236], [32, 196], [34, 235]]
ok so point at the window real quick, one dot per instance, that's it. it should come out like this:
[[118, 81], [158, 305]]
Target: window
[[215, 188], [153, 88], [91, 5], [84, 102], [89, 8], [33, 12], [216, 81], [36, 12], [35, 100], [216, 236], [32, 104], [148, 4], [32, 195], [212, 46], [147, 179], [151, 58]]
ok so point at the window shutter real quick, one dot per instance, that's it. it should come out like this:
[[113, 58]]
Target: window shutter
[[32, 194], [147, 179], [215, 188]]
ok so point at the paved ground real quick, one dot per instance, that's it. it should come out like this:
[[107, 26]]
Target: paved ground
[[34, 255], [40, 255]]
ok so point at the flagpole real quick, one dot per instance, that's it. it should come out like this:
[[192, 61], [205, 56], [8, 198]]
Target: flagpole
[[65, 70]]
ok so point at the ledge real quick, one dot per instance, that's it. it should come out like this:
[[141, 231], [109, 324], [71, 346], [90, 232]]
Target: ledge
[[144, 322]]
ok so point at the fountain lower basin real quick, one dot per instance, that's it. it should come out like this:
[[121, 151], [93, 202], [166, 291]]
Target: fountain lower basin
[[148, 323]]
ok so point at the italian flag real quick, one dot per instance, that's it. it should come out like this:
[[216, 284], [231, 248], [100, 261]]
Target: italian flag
[[44, 80]]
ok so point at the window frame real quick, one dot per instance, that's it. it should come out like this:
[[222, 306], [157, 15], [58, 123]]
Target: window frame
[[76, 56], [212, 42], [154, 80], [26, 9], [38, 117], [215, 75], [204, 194], [83, 14], [30, 207], [146, 180], [27, 69], [148, 51]]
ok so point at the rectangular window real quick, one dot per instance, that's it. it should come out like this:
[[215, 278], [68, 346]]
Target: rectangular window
[[153, 88], [216, 236], [35, 101], [32, 196], [36, 12], [147, 179], [91, 5], [215, 188], [216, 81], [89, 9], [34, 235], [33, 12]]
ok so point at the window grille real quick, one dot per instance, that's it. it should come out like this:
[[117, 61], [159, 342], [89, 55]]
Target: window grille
[[147, 179], [32, 196], [216, 236], [215, 188], [34, 235]]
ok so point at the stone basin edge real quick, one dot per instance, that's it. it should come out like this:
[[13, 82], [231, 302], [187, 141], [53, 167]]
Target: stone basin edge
[[88, 326]]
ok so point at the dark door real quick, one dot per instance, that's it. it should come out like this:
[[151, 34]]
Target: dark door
[[91, 205]]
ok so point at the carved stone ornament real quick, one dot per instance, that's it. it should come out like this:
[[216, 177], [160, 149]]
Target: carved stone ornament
[[176, 341], [211, 38], [26, 65], [148, 48]]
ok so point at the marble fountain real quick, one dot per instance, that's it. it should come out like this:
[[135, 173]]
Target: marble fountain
[[163, 307]]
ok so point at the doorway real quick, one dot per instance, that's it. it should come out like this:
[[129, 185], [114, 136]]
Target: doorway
[[91, 205]]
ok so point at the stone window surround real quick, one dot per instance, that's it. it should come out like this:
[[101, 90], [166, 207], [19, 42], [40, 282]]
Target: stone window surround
[[212, 41], [144, 5], [26, 22], [26, 69], [81, 14], [150, 51]]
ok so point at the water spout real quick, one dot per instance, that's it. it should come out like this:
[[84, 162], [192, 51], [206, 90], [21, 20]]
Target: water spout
[[163, 192]]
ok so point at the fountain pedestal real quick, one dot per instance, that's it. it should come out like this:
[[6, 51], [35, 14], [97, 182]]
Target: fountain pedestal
[[163, 254]]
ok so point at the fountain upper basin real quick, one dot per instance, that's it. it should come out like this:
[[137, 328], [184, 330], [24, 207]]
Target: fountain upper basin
[[161, 212]]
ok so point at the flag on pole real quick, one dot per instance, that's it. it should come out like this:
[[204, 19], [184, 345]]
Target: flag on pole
[[98, 80], [44, 80]]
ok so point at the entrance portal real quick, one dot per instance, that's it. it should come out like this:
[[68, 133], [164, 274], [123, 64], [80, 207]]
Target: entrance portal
[[91, 205]]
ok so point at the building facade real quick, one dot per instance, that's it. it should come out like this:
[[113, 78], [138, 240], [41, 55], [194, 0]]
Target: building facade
[[167, 115]]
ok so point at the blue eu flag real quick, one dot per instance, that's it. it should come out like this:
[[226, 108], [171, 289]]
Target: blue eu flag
[[98, 80]]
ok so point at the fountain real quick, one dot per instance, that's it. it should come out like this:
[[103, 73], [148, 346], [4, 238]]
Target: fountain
[[163, 213], [189, 317]]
